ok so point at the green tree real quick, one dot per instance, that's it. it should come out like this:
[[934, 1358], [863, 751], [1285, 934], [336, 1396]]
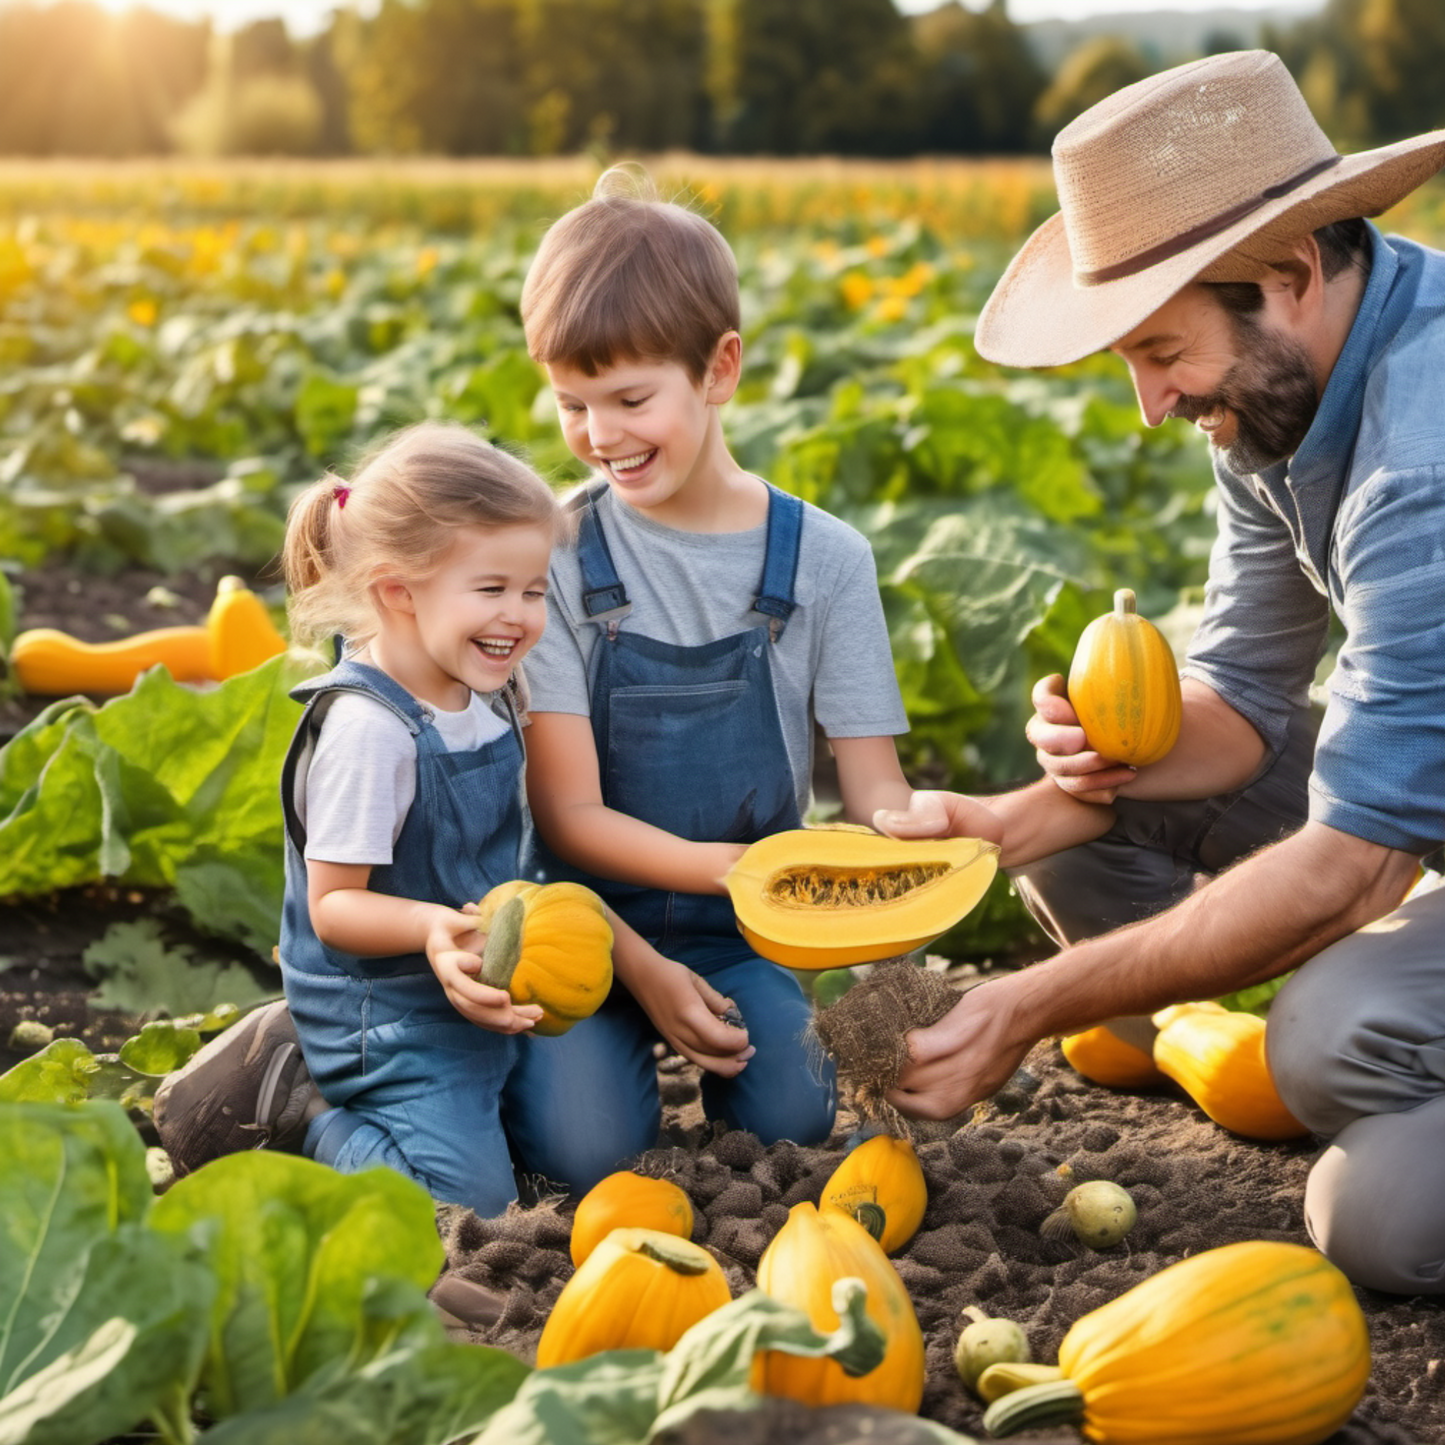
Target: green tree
[[438, 76], [258, 98], [1094, 70], [982, 80], [629, 74], [815, 76], [75, 80]]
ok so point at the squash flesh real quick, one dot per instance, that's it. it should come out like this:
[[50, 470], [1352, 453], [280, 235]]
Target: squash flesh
[[818, 898]]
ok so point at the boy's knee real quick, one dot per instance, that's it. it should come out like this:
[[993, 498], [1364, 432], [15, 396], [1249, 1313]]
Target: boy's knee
[[1385, 1239]]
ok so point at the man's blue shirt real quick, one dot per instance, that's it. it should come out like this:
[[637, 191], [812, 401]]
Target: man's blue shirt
[[1355, 520]]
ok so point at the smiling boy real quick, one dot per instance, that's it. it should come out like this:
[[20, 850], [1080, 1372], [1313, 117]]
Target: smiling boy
[[701, 628]]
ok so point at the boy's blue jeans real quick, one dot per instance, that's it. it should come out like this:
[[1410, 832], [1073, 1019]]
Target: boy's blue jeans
[[586, 1103]]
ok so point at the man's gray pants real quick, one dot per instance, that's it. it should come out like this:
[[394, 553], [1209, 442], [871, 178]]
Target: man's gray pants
[[1356, 1039]]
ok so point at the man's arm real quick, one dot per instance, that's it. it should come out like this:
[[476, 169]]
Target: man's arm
[[1265, 916], [564, 791]]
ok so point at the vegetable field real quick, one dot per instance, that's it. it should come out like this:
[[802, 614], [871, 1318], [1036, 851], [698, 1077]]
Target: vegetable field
[[180, 350]]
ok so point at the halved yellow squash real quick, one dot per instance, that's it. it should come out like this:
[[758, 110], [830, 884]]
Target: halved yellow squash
[[832, 897]]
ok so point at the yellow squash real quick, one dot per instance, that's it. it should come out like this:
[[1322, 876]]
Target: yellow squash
[[53, 664], [238, 636], [1101, 1055], [626, 1200], [1125, 687], [880, 1183], [239, 630], [548, 944], [638, 1290], [799, 1267], [1257, 1343], [1217, 1057], [830, 897]]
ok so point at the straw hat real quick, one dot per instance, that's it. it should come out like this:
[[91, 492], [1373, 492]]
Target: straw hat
[[1204, 171]]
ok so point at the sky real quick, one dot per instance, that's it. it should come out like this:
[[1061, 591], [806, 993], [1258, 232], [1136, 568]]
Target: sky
[[306, 17]]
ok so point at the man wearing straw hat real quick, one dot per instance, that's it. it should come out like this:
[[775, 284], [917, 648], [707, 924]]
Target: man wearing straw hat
[[1210, 236]]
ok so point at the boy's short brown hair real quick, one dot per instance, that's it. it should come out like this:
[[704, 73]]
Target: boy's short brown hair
[[629, 276]]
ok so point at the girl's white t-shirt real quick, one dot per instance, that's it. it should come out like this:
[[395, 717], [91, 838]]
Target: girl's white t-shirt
[[354, 791]]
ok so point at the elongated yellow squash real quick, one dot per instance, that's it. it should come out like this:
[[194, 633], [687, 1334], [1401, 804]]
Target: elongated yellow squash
[[807, 1256], [1258, 1343], [1102, 1056], [240, 631], [1124, 686], [1217, 1057], [52, 663], [817, 898]]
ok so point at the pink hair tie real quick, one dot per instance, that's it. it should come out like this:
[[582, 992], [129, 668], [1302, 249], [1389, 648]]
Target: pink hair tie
[[341, 494]]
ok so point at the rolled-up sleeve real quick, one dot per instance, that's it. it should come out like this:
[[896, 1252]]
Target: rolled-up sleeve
[[1380, 760], [1265, 624]]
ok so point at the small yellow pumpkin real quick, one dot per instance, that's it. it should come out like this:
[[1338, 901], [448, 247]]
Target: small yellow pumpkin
[[1124, 686], [1217, 1057], [880, 1183], [639, 1289], [1099, 1054], [1258, 1342], [547, 944], [627, 1200], [808, 1254], [821, 898]]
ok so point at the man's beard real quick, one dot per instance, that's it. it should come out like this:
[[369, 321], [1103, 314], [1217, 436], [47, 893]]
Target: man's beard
[[1271, 392]]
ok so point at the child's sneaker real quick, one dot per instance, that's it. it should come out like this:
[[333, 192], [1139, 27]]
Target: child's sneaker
[[249, 1088]]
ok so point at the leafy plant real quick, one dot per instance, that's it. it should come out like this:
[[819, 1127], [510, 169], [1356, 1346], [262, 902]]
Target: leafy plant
[[263, 1297]]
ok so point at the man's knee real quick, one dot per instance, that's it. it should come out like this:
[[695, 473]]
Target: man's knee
[[1372, 1204]]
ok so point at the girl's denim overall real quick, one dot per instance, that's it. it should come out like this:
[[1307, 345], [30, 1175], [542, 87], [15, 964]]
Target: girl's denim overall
[[414, 1085], [688, 739]]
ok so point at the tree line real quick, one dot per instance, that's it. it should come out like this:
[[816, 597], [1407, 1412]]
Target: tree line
[[544, 77]]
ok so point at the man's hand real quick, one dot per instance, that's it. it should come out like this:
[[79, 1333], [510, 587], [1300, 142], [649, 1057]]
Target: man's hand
[[936, 814], [454, 950], [966, 1056], [1063, 751]]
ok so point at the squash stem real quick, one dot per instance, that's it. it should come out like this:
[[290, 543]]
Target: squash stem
[[1125, 604], [1059, 1402]]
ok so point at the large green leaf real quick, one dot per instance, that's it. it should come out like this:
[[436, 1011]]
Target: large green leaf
[[102, 1321], [312, 1267], [427, 1394]]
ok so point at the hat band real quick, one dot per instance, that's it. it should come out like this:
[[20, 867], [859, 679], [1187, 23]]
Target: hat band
[[1176, 245]]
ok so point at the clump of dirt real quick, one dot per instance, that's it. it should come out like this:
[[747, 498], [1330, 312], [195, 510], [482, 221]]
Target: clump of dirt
[[866, 1031], [991, 1184]]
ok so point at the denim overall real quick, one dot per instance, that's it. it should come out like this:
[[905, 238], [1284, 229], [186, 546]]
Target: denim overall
[[414, 1085], [689, 740]]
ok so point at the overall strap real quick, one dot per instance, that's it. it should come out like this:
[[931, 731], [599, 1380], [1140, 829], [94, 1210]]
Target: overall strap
[[351, 676], [780, 562], [604, 598]]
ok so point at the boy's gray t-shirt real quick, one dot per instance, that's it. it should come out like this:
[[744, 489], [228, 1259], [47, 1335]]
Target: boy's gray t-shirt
[[832, 663]]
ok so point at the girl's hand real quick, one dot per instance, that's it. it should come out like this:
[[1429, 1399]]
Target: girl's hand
[[454, 950], [688, 1012]]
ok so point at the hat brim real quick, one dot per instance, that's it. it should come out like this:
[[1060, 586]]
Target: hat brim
[[1038, 315]]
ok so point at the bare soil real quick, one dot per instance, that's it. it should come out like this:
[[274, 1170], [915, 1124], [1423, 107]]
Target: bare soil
[[990, 1184]]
